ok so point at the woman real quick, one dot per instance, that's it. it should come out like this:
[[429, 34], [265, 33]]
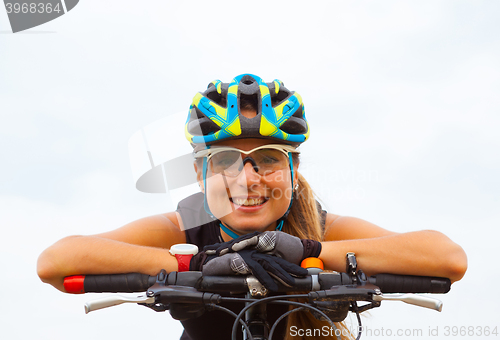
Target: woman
[[245, 135]]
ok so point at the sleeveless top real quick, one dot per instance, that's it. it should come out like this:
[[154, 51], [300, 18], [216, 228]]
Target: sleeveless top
[[201, 229]]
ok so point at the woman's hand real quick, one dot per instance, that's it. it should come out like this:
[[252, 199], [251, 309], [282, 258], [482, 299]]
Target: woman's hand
[[264, 267], [277, 243]]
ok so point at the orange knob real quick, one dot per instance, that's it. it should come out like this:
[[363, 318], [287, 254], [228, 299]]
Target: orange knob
[[312, 262]]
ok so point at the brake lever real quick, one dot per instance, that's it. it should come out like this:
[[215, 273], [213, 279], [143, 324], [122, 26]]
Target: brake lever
[[412, 299], [116, 300]]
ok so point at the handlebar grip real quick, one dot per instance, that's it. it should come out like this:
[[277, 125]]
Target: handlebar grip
[[389, 283], [113, 283]]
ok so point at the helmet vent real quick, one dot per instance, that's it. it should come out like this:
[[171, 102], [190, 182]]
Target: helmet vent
[[248, 102], [200, 125], [207, 126], [294, 126], [281, 95], [299, 113], [214, 96]]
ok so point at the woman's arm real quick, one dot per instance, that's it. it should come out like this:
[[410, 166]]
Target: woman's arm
[[141, 246], [426, 252]]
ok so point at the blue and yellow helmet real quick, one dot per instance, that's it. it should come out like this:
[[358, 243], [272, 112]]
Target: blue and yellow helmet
[[215, 114]]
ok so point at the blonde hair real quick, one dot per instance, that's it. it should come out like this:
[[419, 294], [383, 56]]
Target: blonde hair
[[304, 221]]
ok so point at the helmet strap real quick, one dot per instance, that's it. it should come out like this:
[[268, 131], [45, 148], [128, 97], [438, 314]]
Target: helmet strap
[[279, 227], [282, 219], [228, 231], [205, 202]]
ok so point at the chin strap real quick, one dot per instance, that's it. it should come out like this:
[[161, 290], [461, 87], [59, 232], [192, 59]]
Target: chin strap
[[205, 203], [228, 231], [280, 225]]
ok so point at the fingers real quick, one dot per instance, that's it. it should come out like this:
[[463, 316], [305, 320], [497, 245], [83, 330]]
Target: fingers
[[265, 278], [288, 247], [220, 265], [212, 249], [239, 265], [260, 272], [247, 243], [267, 242], [273, 269], [279, 268], [292, 268], [242, 242]]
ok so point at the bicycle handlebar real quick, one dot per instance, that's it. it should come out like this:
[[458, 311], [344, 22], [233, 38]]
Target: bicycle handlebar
[[135, 282]]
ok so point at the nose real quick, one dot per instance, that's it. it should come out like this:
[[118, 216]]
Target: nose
[[251, 161], [248, 176]]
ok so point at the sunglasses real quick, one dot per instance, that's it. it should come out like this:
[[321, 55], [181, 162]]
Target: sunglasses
[[264, 159]]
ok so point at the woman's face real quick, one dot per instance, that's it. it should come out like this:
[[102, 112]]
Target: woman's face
[[250, 201]]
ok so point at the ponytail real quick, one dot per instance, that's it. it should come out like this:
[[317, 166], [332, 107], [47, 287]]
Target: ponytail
[[305, 222]]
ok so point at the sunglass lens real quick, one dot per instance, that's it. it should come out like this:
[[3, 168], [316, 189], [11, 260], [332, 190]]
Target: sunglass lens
[[270, 160], [226, 161]]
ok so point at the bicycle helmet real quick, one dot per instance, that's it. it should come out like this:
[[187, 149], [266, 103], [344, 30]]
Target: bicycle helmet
[[215, 114]]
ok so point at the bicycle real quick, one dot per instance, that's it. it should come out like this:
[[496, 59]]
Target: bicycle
[[330, 295]]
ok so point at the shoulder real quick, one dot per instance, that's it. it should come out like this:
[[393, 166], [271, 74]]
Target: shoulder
[[339, 228]]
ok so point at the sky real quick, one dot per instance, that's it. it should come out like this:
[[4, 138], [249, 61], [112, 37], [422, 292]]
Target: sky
[[402, 98]]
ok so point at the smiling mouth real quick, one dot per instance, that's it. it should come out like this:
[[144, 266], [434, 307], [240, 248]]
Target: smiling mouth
[[249, 202]]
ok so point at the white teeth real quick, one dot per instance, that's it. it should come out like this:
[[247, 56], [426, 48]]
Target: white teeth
[[249, 201]]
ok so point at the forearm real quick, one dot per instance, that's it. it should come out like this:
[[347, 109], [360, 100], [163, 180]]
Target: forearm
[[427, 253], [95, 255]]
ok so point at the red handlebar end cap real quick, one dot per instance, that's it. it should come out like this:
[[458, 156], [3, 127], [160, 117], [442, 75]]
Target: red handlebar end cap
[[74, 284]]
